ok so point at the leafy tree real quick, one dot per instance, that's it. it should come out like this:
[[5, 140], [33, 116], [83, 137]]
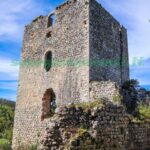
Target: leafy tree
[[148, 92], [130, 84], [7, 102], [6, 122], [130, 95]]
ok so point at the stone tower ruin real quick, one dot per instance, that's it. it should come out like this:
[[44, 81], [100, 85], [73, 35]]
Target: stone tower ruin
[[76, 53]]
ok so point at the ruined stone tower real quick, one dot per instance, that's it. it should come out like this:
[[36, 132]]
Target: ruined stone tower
[[74, 54]]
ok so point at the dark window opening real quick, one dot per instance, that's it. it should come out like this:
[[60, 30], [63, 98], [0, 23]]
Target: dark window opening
[[48, 104], [48, 61], [49, 34], [51, 20], [121, 130], [85, 22], [114, 146]]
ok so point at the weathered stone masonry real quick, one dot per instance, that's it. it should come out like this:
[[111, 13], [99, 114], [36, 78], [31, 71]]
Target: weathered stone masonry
[[108, 46], [88, 52], [103, 127], [68, 40]]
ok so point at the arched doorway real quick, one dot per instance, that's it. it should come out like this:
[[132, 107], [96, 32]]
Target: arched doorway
[[48, 104]]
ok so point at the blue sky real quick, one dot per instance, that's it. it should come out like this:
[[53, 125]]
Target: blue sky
[[14, 15]]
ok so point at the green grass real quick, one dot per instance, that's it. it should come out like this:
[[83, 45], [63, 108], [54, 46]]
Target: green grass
[[87, 105], [5, 144]]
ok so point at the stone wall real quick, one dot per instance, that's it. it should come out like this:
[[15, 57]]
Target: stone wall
[[97, 125], [105, 89], [73, 42], [139, 135], [108, 46], [68, 41]]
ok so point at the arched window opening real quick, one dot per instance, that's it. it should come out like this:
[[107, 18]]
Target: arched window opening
[[48, 61], [51, 20], [48, 104]]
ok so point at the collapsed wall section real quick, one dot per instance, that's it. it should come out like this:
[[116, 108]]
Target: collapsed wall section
[[96, 125]]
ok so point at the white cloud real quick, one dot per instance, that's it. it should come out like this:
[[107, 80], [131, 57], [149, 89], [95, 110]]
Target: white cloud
[[135, 16], [15, 14], [7, 70], [8, 79]]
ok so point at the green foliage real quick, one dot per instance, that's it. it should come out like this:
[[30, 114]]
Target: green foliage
[[6, 126], [8, 134], [92, 104], [33, 147], [130, 84], [5, 144], [130, 95], [7, 103], [144, 112], [137, 120], [117, 99], [76, 133]]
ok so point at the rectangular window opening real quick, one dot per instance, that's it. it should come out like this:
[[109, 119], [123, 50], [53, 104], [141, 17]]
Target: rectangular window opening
[[51, 20]]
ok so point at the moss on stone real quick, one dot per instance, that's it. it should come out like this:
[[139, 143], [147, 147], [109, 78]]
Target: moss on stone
[[142, 115], [117, 99], [78, 132], [137, 120], [90, 104], [144, 112]]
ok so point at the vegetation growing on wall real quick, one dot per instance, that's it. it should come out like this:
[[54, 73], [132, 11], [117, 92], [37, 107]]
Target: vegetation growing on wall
[[135, 103], [87, 105], [144, 112]]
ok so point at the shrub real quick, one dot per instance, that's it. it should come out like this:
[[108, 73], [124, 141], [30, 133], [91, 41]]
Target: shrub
[[129, 93], [92, 104], [144, 112], [118, 99], [8, 134], [6, 122], [130, 84], [5, 144], [7, 103]]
